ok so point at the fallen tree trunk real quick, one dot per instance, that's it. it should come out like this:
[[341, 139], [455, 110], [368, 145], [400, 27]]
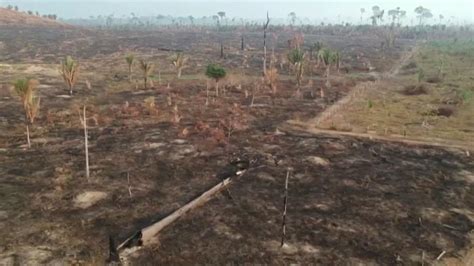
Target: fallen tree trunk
[[148, 234]]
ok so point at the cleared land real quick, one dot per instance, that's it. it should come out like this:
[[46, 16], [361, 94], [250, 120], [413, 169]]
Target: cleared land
[[351, 200]]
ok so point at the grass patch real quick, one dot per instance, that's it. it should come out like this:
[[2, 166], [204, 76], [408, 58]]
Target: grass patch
[[437, 107]]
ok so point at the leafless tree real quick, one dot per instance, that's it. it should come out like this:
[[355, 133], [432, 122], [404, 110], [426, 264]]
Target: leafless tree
[[265, 27]]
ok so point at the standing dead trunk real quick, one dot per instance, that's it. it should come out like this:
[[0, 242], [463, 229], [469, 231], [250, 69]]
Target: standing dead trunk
[[242, 43], [86, 146], [222, 50], [129, 186], [265, 27], [70, 89], [179, 72], [28, 135], [145, 81], [328, 82], [285, 202], [207, 92], [217, 88]]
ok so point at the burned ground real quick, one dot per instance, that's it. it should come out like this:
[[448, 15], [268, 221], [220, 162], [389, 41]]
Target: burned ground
[[359, 202], [349, 199]]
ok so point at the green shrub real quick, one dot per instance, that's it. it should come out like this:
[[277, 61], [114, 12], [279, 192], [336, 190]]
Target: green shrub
[[215, 71]]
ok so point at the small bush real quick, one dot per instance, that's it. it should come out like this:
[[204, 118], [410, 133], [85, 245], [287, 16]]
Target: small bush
[[410, 65], [446, 111], [414, 90], [434, 79]]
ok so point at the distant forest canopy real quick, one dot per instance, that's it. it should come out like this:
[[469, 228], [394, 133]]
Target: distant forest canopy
[[374, 16]]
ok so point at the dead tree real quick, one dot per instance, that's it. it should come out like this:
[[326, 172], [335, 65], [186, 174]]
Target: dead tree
[[242, 42], [83, 119], [147, 235], [285, 201], [265, 27], [222, 50], [129, 185], [207, 92]]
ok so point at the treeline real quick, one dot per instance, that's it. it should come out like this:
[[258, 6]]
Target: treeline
[[31, 13]]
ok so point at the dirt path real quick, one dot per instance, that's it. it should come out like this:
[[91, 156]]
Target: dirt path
[[403, 60]]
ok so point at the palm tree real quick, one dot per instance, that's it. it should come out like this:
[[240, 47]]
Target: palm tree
[[130, 58], [296, 58], [315, 48], [377, 15], [179, 62], [26, 89], [394, 13], [423, 13], [292, 17], [69, 72], [327, 57], [147, 68], [403, 14], [221, 14]]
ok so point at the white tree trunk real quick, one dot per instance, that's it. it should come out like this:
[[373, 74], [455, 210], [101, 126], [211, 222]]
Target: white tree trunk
[[149, 233], [28, 135], [86, 142]]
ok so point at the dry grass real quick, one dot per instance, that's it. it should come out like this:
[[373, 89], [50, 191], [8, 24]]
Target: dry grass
[[10, 17]]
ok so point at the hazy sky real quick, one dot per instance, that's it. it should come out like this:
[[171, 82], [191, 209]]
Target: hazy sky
[[321, 10]]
